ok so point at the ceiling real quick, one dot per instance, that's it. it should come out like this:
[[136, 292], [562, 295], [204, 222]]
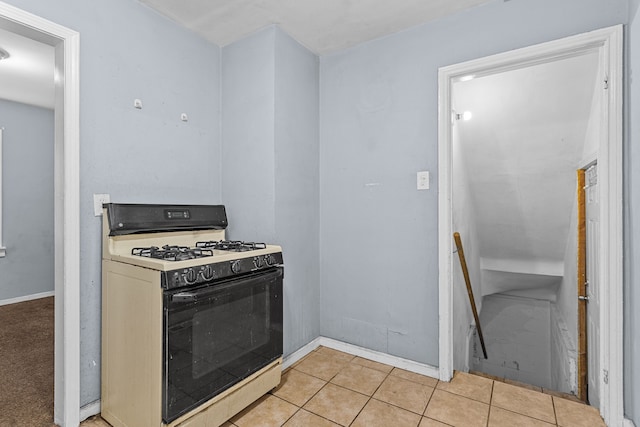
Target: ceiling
[[521, 149], [27, 75], [323, 26]]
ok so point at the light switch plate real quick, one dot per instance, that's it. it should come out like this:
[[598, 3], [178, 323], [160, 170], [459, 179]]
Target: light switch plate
[[98, 200], [423, 180]]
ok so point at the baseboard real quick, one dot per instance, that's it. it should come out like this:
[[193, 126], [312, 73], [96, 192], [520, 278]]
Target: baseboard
[[376, 356], [300, 353], [27, 298], [628, 423], [89, 410]]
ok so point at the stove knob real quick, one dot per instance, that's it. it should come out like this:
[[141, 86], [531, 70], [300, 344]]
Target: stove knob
[[190, 276], [207, 272], [257, 262], [235, 266], [176, 279], [269, 259]]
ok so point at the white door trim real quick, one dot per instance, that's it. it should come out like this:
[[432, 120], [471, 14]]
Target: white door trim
[[608, 42], [66, 205]]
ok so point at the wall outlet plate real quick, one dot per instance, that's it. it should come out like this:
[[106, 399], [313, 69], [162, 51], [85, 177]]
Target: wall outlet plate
[[423, 180], [98, 200]]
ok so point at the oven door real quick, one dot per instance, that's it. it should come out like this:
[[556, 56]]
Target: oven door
[[218, 334]]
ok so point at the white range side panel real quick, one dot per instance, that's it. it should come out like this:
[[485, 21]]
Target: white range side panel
[[131, 345]]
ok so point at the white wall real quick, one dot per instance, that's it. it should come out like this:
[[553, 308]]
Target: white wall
[[564, 325], [594, 128], [464, 223], [564, 356], [564, 328]]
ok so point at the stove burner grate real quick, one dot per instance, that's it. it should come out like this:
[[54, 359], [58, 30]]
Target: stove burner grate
[[172, 253], [231, 245]]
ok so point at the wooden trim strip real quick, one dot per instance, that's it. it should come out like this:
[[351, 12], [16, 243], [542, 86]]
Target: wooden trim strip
[[582, 289], [467, 280]]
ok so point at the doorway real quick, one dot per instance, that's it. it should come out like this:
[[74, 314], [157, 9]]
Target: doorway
[[515, 149], [608, 44], [66, 204]]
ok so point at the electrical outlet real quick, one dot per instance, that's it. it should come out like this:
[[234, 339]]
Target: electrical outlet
[[98, 200], [423, 180]]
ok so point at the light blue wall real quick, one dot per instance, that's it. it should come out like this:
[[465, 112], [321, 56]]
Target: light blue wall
[[248, 154], [270, 157], [128, 51], [297, 179], [632, 222], [27, 193], [379, 240]]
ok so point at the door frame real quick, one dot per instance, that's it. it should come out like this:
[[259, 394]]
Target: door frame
[[66, 204], [608, 42]]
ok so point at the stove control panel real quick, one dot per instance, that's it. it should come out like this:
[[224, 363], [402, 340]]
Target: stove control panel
[[220, 270]]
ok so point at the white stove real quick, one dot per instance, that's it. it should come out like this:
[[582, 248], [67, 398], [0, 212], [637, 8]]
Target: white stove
[[192, 323]]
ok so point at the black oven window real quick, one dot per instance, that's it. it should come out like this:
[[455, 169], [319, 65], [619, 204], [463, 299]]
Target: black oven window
[[230, 330], [218, 335]]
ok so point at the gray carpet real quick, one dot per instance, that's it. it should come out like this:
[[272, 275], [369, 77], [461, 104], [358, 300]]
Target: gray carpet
[[26, 364]]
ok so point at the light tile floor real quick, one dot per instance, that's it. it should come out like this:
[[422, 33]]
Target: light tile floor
[[329, 388]]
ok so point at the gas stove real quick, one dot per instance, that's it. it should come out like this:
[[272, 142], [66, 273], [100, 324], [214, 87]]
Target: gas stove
[[186, 243], [192, 323]]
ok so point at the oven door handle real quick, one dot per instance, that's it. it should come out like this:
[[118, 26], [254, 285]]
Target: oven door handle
[[203, 293], [184, 297]]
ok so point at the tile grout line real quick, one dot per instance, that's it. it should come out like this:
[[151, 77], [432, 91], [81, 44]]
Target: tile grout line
[[553, 404], [345, 388], [326, 382], [435, 387], [369, 397], [292, 415], [493, 384], [475, 399], [555, 423], [337, 385], [422, 415]]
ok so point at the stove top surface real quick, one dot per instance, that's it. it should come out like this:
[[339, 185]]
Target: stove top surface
[[172, 252], [231, 245], [184, 262], [171, 237], [169, 252]]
